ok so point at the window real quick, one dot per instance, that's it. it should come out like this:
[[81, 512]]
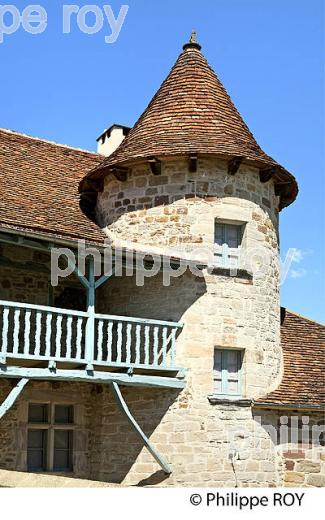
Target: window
[[50, 437], [227, 372], [227, 239]]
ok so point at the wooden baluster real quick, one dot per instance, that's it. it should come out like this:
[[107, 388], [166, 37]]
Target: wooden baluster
[[147, 345], [109, 341], [119, 342], [155, 345], [100, 341], [173, 348], [69, 337], [137, 344], [48, 335], [90, 328], [164, 346], [38, 333], [27, 333], [79, 339], [58, 336], [128, 343], [16, 331], [4, 344]]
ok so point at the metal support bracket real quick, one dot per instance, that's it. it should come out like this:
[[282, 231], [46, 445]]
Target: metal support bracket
[[124, 408]]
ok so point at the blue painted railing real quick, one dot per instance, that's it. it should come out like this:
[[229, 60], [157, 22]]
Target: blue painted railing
[[35, 332]]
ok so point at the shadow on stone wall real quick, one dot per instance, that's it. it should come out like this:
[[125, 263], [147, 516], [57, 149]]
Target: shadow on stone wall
[[116, 446], [122, 296]]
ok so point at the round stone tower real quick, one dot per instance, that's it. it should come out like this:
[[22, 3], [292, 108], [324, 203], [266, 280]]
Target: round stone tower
[[190, 177], [190, 181]]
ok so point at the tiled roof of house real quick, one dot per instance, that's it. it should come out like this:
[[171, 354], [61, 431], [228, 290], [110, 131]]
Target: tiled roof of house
[[303, 382], [191, 114], [39, 187]]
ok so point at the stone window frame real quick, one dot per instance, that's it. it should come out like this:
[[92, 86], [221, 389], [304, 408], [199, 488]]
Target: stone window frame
[[51, 397], [242, 240], [240, 360], [51, 427]]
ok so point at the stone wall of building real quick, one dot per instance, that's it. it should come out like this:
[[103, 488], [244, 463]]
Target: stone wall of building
[[20, 283], [14, 424], [179, 209], [301, 449], [23, 278], [194, 436], [303, 469]]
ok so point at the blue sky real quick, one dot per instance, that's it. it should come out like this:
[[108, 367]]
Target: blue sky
[[268, 54]]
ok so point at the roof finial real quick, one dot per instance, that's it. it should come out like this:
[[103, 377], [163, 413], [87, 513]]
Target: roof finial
[[193, 37], [192, 44]]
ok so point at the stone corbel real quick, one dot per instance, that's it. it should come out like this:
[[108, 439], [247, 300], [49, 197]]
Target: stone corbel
[[120, 174], [155, 166], [233, 165], [192, 163], [267, 173]]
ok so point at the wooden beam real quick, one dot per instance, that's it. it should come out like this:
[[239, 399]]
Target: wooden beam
[[192, 163], [13, 396], [25, 266], [44, 374], [121, 174], [155, 166], [104, 278], [19, 240], [267, 173], [124, 409], [233, 165], [78, 273]]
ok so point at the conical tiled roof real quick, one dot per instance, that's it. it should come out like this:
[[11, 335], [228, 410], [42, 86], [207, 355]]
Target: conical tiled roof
[[190, 114]]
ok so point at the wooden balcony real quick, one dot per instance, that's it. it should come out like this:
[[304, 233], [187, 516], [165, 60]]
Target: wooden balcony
[[47, 343]]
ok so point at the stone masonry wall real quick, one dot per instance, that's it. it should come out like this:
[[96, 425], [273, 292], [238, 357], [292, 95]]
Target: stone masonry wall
[[13, 426], [218, 311], [21, 282], [194, 436], [302, 454], [178, 207]]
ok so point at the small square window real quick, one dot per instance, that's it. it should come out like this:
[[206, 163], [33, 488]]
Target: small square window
[[38, 413], [63, 414], [227, 372]]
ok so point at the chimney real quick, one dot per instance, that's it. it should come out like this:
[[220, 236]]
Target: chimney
[[111, 139]]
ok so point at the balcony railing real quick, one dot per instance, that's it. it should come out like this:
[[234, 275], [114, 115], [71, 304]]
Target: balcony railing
[[38, 333]]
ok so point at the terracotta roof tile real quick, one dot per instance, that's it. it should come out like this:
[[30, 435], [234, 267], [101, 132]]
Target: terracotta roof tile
[[303, 382], [190, 113], [39, 187]]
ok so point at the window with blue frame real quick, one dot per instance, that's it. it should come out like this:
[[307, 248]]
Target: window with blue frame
[[227, 372], [227, 240]]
